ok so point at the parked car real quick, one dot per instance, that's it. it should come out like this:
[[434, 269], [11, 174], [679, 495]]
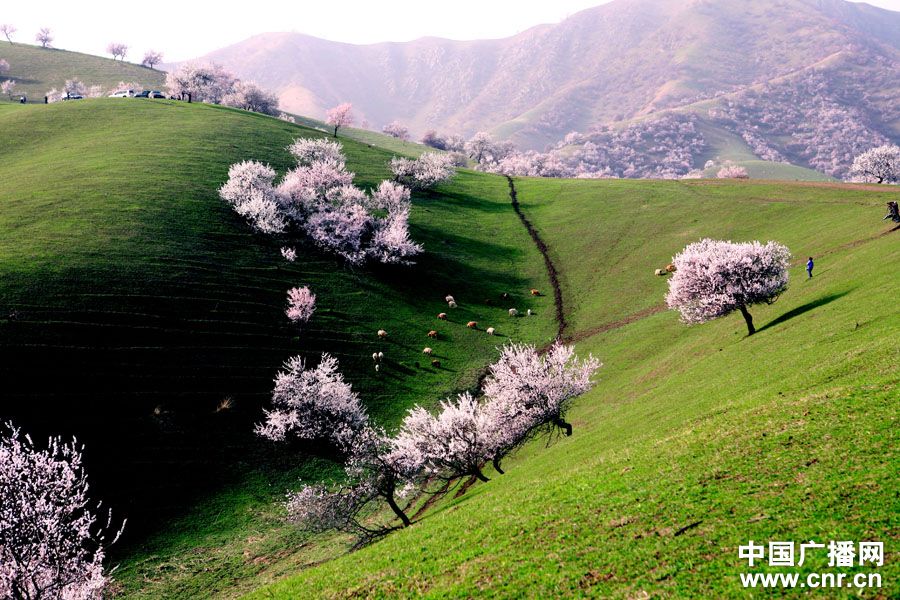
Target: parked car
[[157, 94], [73, 97], [144, 94], [122, 94]]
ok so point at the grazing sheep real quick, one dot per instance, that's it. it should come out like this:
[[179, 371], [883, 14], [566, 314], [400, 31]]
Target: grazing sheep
[[451, 304], [377, 367], [382, 333], [513, 312], [449, 299], [490, 331], [436, 364], [472, 325], [535, 292], [670, 268], [659, 272], [528, 312], [380, 356], [427, 351], [442, 316], [433, 334], [375, 356]]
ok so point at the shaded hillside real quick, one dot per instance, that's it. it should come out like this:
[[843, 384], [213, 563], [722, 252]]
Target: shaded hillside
[[36, 70], [139, 313]]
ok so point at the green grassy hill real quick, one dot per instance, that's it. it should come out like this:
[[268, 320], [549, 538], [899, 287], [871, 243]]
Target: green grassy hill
[[36, 70], [697, 439], [134, 302], [137, 302]]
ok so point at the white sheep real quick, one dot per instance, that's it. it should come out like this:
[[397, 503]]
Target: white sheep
[[451, 304], [427, 351], [375, 356], [513, 312], [449, 299], [380, 356], [377, 367], [528, 312], [382, 333], [659, 272], [490, 331]]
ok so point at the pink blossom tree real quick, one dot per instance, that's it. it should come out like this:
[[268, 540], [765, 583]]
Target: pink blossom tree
[[74, 87], [714, 278], [878, 165], [44, 37], [151, 59], [340, 116], [52, 541], [7, 30], [311, 150], [118, 50], [200, 82], [301, 304]]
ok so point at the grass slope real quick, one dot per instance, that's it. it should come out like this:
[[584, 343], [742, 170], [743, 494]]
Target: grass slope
[[134, 302], [696, 439], [36, 70]]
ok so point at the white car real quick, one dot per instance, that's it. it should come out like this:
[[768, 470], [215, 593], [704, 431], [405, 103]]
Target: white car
[[122, 94]]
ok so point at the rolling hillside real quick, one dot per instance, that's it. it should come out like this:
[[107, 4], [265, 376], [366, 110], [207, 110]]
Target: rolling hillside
[[151, 303], [36, 70], [696, 439], [136, 302], [827, 70]]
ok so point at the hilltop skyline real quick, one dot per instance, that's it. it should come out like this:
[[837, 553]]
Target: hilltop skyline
[[75, 28]]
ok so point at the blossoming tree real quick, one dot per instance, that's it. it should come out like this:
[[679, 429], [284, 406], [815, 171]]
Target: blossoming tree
[[714, 278]]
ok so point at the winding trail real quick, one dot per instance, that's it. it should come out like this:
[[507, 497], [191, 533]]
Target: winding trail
[[548, 262]]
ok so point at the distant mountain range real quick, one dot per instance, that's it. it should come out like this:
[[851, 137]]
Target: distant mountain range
[[810, 82]]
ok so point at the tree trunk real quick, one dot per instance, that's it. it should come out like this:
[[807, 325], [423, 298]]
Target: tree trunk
[[747, 317], [477, 473], [397, 510], [335, 130], [496, 463], [562, 424]]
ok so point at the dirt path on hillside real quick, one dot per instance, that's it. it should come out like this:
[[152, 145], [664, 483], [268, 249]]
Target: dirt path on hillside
[[548, 262]]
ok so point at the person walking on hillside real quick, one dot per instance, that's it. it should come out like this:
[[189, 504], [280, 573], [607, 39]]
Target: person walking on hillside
[[809, 267]]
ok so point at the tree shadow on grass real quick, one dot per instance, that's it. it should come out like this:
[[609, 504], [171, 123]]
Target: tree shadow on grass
[[803, 308]]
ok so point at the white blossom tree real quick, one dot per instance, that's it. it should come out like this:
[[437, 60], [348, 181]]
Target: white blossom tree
[[52, 541], [44, 37], [301, 304], [732, 171], [396, 129], [527, 392], [340, 116], [74, 87], [249, 96], [455, 442], [878, 165], [249, 190], [118, 50], [7, 30], [714, 278], [8, 87], [424, 172], [200, 82], [151, 58], [4, 66], [314, 404]]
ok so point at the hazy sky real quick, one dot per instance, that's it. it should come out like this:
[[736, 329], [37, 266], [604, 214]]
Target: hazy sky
[[184, 29]]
